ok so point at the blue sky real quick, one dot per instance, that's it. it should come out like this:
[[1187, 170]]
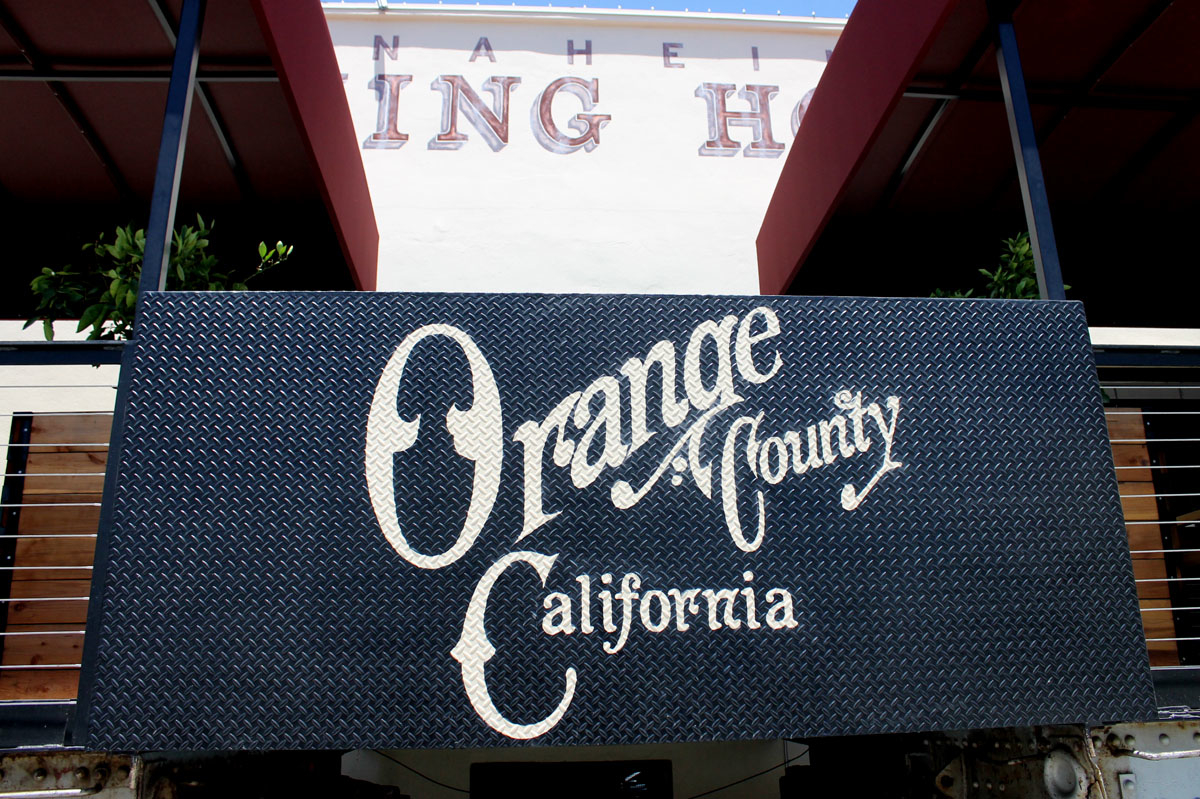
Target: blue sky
[[823, 8]]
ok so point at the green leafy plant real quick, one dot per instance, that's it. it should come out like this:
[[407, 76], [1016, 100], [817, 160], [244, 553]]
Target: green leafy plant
[[1014, 278], [102, 294]]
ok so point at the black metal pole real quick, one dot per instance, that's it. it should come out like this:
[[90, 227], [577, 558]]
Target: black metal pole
[[1029, 163], [180, 92]]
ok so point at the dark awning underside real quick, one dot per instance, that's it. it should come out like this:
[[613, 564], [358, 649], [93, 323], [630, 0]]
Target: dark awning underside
[[83, 86], [907, 139]]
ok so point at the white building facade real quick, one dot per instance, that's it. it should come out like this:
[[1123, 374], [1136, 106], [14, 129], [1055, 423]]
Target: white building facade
[[573, 150]]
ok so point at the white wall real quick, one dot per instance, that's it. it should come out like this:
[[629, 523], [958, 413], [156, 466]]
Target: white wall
[[642, 211]]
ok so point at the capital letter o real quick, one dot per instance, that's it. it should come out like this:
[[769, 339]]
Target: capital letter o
[[478, 435]]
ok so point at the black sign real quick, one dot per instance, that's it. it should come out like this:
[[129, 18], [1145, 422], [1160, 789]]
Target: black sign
[[430, 520]]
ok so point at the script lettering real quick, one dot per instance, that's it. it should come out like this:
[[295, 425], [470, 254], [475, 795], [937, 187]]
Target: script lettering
[[477, 433], [729, 457]]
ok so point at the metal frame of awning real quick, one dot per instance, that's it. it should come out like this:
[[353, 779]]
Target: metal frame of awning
[[881, 61], [918, 27], [329, 140]]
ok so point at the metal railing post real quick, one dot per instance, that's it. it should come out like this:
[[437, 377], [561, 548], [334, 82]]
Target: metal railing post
[[180, 92], [1029, 162]]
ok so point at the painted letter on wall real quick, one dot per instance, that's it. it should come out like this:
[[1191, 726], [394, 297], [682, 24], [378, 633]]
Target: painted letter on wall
[[586, 125], [491, 124], [387, 134], [758, 119]]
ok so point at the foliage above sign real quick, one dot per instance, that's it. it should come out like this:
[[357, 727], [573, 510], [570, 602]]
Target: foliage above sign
[[463, 520]]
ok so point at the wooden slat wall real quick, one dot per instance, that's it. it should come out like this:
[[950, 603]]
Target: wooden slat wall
[[1134, 484], [83, 449]]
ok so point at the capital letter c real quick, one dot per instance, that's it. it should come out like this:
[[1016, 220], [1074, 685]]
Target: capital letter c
[[474, 650]]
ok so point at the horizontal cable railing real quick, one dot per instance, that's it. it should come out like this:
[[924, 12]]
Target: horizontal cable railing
[[57, 402], [1153, 419]]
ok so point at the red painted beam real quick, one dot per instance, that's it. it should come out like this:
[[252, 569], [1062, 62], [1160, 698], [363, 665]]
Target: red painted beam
[[874, 61], [298, 37]]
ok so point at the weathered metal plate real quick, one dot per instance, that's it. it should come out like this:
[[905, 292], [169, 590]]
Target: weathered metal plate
[[294, 561]]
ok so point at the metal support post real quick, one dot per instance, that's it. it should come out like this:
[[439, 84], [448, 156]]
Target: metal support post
[[180, 92], [1029, 163]]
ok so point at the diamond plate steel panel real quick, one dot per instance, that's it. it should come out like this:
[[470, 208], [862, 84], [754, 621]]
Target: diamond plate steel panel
[[252, 601]]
